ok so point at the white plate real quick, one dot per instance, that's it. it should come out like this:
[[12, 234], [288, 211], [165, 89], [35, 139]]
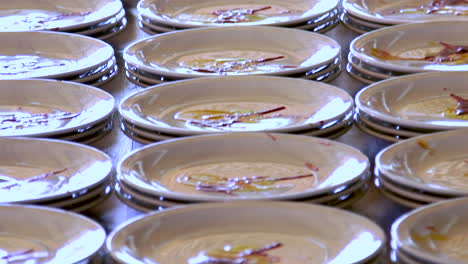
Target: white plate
[[397, 198], [420, 101], [102, 26], [167, 55], [434, 163], [415, 40], [96, 73], [31, 174], [50, 108], [398, 12], [359, 76], [63, 15], [299, 227], [50, 54], [333, 164], [387, 128], [308, 104], [59, 237], [435, 233], [378, 134], [187, 14]]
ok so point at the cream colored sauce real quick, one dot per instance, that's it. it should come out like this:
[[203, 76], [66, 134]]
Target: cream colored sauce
[[171, 179], [450, 240], [430, 109], [294, 114], [451, 173], [294, 250], [222, 61], [411, 9], [10, 175], [32, 65], [30, 19], [206, 14], [29, 120]]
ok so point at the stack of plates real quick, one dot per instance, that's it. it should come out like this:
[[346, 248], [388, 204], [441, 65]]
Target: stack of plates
[[286, 232], [432, 234], [249, 50], [33, 234], [424, 169], [95, 18], [366, 15], [236, 104], [414, 105], [242, 166], [159, 16], [56, 55], [53, 173], [54, 109], [408, 49]]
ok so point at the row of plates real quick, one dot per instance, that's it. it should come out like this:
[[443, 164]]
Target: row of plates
[[55, 109], [413, 105], [156, 16], [424, 169], [432, 234], [247, 50], [236, 104], [242, 166], [288, 232], [408, 49], [56, 55], [53, 173]]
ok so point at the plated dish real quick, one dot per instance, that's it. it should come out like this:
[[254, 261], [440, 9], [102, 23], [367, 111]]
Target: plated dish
[[47, 108], [245, 228], [435, 233], [185, 14], [398, 12], [432, 163], [245, 50], [281, 169], [50, 55], [405, 49], [53, 240], [227, 104], [30, 175], [31, 15]]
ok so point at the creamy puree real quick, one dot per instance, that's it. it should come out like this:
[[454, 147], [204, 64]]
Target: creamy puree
[[234, 61], [294, 250], [452, 173], [415, 9], [31, 65], [450, 240], [276, 12], [174, 179], [24, 19], [293, 114], [9, 175], [31, 119], [430, 109]]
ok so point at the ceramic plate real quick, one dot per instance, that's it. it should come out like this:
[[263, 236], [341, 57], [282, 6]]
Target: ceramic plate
[[102, 26], [59, 237], [434, 163], [436, 233], [213, 105], [167, 237], [404, 11], [49, 54], [423, 101], [49, 108], [388, 128], [29, 173], [378, 134], [63, 15], [307, 166], [215, 13], [249, 50], [416, 47]]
